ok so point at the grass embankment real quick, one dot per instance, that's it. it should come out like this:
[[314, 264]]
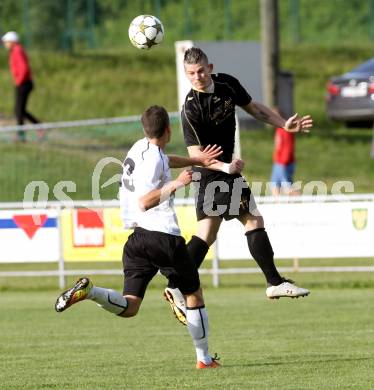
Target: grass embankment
[[98, 84]]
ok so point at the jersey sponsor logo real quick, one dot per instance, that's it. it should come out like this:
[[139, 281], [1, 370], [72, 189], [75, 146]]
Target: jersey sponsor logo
[[229, 105], [217, 113], [28, 223], [222, 111], [360, 218]]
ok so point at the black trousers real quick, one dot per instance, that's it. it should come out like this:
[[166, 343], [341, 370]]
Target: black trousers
[[22, 95]]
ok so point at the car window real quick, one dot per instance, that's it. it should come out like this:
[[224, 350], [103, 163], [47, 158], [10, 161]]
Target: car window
[[366, 67]]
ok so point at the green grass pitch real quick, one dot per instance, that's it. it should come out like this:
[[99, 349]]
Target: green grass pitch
[[324, 341]]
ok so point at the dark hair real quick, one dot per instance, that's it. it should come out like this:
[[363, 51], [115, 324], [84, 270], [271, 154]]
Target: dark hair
[[155, 120], [195, 55]]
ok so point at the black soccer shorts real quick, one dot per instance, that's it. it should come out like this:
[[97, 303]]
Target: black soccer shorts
[[146, 252], [221, 194]]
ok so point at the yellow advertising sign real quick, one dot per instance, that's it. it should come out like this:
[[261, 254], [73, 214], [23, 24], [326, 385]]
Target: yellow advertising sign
[[93, 235], [98, 235]]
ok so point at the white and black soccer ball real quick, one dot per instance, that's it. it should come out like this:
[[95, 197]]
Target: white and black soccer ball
[[146, 31]]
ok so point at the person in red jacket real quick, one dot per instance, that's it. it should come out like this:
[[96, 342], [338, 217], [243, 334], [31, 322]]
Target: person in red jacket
[[21, 72], [283, 162]]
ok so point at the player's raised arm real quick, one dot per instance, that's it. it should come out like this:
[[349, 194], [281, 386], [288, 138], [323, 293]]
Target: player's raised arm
[[264, 114], [293, 124]]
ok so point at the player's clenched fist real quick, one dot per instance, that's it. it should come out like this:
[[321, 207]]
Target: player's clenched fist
[[236, 166], [184, 178]]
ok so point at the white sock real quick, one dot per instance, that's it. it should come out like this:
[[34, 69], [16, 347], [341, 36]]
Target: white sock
[[198, 326], [109, 300]]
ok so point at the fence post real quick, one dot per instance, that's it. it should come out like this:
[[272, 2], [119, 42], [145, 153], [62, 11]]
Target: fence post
[[157, 8], [296, 265], [61, 262], [370, 19], [228, 23], [187, 19], [215, 264], [26, 24], [270, 50], [295, 20], [68, 35], [90, 23]]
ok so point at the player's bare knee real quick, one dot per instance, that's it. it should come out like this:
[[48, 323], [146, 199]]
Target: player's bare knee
[[131, 311], [208, 228], [208, 237], [133, 306], [209, 240], [259, 221], [195, 299], [251, 222], [128, 313]]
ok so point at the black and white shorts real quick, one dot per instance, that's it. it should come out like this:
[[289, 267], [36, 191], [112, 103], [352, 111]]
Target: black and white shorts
[[221, 194], [146, 252]]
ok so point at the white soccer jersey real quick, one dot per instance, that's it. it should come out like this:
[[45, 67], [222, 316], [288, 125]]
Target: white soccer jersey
[[146, 168]]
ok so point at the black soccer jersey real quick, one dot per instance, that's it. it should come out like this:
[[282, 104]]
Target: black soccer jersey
[[209, 118]]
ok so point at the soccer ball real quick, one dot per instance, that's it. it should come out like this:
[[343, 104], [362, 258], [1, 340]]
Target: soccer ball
[[146, 31]]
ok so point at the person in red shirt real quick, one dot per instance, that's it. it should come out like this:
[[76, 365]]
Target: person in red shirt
[[21, 72], [283, 162]]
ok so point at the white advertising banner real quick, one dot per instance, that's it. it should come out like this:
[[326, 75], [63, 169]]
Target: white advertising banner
[[307, 230], [29, 236], [297, 230]]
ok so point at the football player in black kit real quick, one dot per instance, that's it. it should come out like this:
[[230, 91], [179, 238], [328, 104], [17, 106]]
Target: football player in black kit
[[208, 117]]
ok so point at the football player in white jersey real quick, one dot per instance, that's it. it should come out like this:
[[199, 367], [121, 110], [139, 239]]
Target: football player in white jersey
[[147, 192]]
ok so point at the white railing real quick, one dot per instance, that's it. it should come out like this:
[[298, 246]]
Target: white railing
[[76, 123]]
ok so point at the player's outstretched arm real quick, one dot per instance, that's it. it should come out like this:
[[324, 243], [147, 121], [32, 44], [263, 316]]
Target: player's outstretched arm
[[205, 157], [264, 114], [294, 124], [155, 197]]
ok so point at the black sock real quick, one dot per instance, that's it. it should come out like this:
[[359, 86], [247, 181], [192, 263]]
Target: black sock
[[197, 249], [261, 250]]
